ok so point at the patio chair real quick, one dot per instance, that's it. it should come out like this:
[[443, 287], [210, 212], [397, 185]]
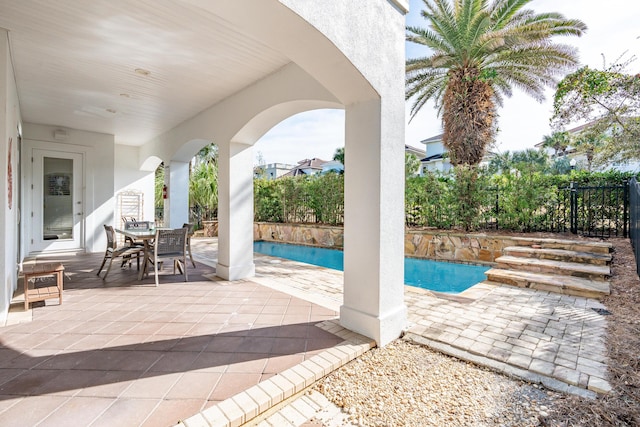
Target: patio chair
[[135, 225], [189, 228], [170, 243], [112, 251]]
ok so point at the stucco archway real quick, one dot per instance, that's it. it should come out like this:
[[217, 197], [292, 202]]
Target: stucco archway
[[328, 69]]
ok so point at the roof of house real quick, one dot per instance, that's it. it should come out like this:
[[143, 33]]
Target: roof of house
[[299, 169], [434, 157], [432, 139], [413, 150]]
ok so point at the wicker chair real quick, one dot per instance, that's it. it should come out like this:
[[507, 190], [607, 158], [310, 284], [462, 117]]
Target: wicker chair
[[170, 243], [126, 252], [189, 227], [135, 225]]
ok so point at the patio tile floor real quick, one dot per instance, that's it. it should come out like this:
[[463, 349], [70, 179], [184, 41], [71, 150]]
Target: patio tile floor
[[123, 352]]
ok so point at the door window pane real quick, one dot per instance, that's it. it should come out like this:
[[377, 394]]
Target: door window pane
[[57, 198]]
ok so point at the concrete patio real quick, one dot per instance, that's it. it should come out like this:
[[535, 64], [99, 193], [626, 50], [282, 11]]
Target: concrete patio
[[216, 352]]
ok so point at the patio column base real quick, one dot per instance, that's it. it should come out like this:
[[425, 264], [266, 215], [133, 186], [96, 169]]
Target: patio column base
[[383, 329], [236, 272]]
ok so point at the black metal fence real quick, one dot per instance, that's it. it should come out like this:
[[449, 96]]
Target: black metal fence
[[634, 219], [599, 211], [594, 211]]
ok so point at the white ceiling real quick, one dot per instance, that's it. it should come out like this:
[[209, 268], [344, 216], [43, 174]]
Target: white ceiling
[[75, 63]]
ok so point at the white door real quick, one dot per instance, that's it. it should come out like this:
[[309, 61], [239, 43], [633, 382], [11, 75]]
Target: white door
[[57, 209]]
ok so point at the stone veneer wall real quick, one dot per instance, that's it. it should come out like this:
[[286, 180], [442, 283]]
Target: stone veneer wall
[[210, 228], [315, 235], [476, 248]]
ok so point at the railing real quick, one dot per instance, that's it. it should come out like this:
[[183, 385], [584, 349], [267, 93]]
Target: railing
[[634, 219], [599, 211]]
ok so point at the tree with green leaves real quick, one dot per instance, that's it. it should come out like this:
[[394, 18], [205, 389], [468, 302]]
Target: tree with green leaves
[[411, 164], [477, 52], [609, 102], [339, 155], [203, 189]]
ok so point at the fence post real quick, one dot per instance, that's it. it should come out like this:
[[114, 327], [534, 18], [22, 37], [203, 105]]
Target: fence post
[[625, 215], [497, 206], [574, 208]]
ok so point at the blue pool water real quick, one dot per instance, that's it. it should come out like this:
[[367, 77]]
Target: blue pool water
[[433, 275]]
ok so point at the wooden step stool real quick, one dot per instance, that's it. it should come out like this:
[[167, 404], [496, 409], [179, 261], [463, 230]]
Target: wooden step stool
[[33, 271]]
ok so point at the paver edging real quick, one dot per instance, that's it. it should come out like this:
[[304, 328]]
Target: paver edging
[[505, 368], [287, 390]]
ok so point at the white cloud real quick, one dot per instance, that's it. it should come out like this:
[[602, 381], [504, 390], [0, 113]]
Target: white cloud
[[316, 133]]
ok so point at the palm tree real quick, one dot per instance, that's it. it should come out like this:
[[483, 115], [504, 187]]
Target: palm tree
[[339, 155], [559, 141], [478, 52], [588, 142], [501, 162]]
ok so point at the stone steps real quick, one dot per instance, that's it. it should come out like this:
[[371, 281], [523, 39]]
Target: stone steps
[[563, 268], [571, 267], [570, 245], [568, 285], [559, 255]]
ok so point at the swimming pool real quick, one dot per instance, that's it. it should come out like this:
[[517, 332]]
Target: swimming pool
[[437, 276]]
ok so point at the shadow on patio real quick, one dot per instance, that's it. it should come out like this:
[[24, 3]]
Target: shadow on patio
[[123, 352]]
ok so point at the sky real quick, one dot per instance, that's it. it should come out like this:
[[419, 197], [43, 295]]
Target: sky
[[613, 29]]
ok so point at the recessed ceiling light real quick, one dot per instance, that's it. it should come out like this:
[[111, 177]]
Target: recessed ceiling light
[[142, 71]]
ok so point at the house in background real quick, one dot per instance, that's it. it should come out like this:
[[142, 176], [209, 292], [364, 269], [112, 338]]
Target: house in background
[[415, 151], [435, 159], [573, 153], [306, 167], [272, 170], [332, 166]]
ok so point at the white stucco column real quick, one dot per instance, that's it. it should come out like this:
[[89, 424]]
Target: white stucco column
[[176, 205], [235, 211], [374, 224]]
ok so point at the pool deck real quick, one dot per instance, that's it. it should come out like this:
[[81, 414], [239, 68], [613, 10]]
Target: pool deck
[[556, 340]]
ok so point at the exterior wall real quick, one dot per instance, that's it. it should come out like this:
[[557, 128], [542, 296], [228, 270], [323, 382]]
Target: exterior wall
[[99, 150], [434, 148], [276, 170], [474, 248], [9, 121]]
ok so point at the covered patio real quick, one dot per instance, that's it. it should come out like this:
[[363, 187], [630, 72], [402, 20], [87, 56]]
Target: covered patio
[[98, 94], [124, 352]]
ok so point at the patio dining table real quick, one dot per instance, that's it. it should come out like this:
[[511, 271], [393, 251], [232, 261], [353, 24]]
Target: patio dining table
[[144, 235]]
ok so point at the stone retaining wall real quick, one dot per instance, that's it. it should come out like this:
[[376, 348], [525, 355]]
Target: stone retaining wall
[[476, 248], [210, 228], [317, 235]]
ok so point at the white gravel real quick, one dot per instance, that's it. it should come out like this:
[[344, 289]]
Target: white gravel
[[405, 384]]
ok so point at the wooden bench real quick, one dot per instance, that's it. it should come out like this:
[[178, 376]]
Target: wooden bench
[[33, 271]]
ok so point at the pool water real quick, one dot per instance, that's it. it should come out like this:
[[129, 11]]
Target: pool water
[[433, 275]]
